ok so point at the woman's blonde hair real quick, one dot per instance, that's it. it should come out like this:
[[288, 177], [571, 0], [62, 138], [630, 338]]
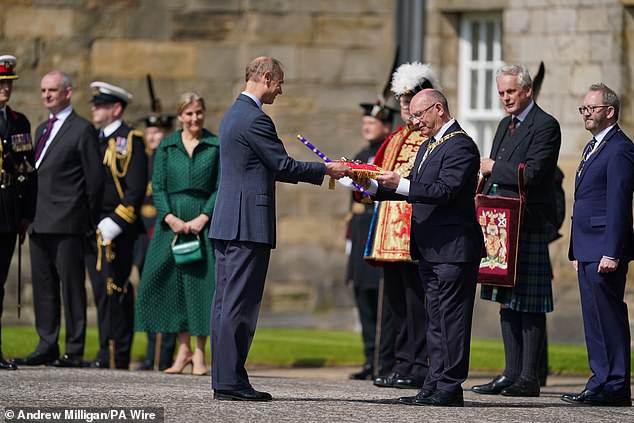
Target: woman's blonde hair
[[188, 98]]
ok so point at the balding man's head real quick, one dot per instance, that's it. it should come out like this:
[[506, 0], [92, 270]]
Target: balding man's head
[[429, 111], [260, 65]]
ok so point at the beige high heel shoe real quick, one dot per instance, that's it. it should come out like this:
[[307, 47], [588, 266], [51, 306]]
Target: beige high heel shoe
[[174, 370], [200, 370]]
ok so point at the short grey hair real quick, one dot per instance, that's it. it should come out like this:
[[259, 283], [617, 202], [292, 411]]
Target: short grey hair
[[609, 96], [64, 80], [520, 71]]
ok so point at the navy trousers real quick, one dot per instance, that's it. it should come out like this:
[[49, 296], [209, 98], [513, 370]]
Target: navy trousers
[[240, 274], [450, 293], [606, 327]]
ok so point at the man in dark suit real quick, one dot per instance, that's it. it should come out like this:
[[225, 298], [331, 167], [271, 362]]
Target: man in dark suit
[[531, 136], [446, 238], [252, 159], [70, 185], [601, 247], [123, 153], [18, 181]]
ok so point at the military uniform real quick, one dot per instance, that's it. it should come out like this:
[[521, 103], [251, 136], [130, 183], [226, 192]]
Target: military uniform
[[109, 262], [18, 182]]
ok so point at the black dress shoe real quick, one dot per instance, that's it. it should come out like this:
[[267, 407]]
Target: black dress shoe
[[577, 398], [68, 360], [606, 399], [494, 387], [5, 365], [443, 398], [364, 374], [388, 381], [248, 394], [409, 382], [422, 394], [98, 364], [35, 359], [522, 388]]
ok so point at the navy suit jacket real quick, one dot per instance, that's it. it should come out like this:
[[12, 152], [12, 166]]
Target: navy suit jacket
[[602, 211], [252, 159], [536, 143], [444, 225]]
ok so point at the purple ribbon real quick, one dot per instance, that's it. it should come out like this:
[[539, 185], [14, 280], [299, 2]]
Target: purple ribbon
[[327, 160]]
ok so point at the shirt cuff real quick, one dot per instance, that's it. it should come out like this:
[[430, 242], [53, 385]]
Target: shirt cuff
[[373, 188], [403, 187]]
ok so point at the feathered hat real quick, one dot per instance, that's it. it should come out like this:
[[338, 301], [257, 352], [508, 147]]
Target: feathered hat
[[410, 78]]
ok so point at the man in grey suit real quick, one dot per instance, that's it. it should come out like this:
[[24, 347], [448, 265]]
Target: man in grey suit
[[252, 159], [70, 185]]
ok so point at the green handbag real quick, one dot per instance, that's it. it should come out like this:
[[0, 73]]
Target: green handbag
[[186, 252]]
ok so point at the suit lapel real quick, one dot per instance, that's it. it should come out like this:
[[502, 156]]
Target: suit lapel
[[499, 135], [434, 152], [523, 131], [594, 155], [55, 141], [419, 157]]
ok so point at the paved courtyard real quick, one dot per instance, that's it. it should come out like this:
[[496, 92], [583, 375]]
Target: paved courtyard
[[300, 395]]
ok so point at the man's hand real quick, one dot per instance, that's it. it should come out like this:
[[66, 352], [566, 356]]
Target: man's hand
[[389, 179], [178, 226], [109, 229], [486, 166], [337, 170], [197, 224], [575, 265], [607, 265]]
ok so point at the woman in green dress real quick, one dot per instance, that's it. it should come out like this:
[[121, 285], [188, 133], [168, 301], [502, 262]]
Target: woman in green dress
[[176, 298]]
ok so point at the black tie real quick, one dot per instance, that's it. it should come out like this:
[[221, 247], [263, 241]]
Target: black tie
[[586, 153]]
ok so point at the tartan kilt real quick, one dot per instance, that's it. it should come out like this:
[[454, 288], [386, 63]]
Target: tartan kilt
[[533, 291]]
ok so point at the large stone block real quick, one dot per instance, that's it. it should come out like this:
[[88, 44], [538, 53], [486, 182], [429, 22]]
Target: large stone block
[[323, 64], [584, 74], [371, 66], [561, 20], [229, 27], [518, 21], [359, 30], [269, 28], [206, 6], [219, 62], [331, 6], [44, 22], [593, 19], [134, 59]]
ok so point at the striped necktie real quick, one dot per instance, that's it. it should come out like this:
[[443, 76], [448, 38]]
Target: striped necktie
[[586, 154]]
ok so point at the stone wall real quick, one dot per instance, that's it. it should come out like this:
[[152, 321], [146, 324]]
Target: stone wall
[[336, 54]]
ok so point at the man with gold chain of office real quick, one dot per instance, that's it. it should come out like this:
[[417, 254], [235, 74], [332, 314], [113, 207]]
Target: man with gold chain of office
[[109, 257], [389, 242]]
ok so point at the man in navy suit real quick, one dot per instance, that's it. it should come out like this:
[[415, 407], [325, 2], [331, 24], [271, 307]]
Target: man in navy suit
[[601, 246], [252, 159], [446, 238]]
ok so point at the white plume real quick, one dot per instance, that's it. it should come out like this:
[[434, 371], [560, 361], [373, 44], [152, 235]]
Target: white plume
[[409, 78]]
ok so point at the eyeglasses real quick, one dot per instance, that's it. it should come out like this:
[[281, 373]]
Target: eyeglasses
[[419, 115], [585, 109]]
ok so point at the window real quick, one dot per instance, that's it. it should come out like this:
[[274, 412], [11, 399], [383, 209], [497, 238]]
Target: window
[[480, 56]]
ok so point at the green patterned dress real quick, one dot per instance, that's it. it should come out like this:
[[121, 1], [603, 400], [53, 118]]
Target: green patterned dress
[[176, 298]]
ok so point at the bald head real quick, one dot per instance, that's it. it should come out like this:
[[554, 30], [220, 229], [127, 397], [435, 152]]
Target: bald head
[[429, 111]]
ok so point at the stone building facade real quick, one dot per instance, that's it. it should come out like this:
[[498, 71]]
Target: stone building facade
[[336, 54]]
